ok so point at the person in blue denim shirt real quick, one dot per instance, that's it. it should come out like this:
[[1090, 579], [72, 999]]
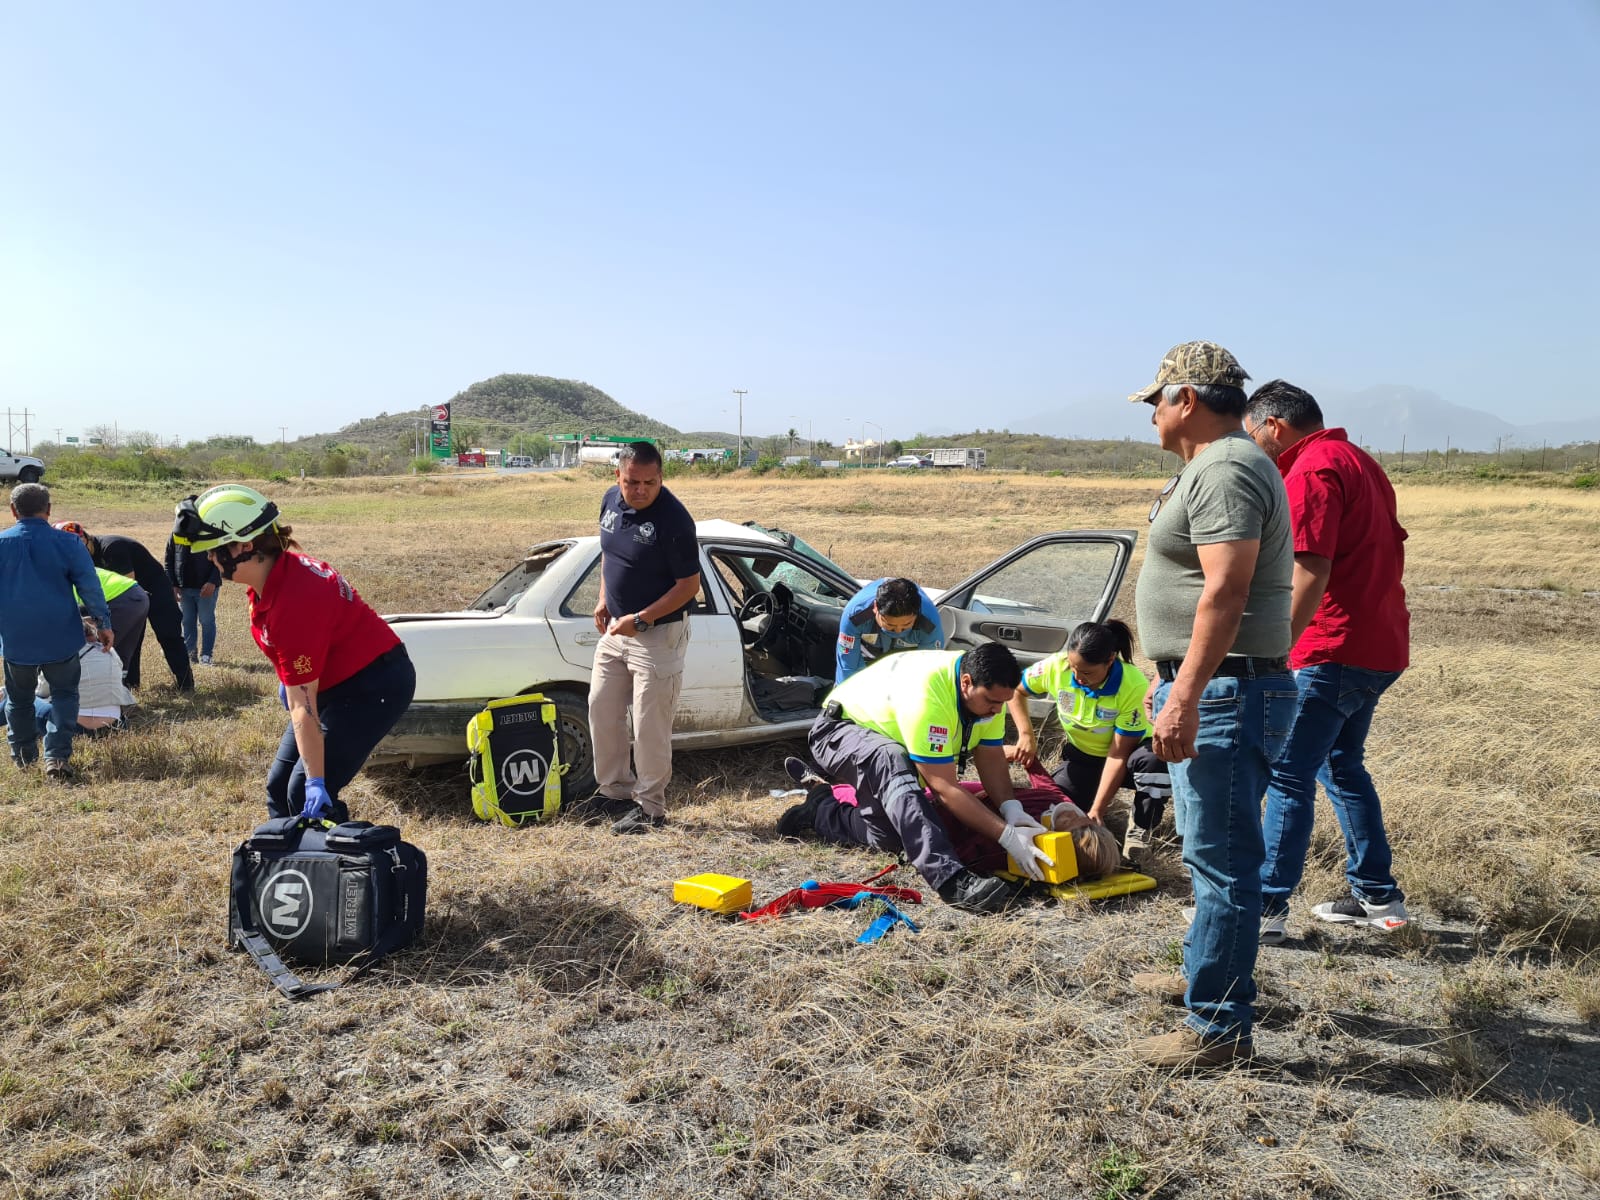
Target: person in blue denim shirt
[[1213, 608], [40, 629], [1352, 639]]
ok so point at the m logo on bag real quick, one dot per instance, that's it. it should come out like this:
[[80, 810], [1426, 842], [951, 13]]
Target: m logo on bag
[[523, 773], [286, 904]]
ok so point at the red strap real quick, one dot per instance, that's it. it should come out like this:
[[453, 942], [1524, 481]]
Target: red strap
[[825, 894]]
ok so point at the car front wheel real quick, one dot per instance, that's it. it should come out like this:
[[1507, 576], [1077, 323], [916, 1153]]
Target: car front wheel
[[577, 748], [29, 475]]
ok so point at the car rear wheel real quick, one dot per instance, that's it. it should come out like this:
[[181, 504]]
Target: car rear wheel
[[29, 475], [577, 748]]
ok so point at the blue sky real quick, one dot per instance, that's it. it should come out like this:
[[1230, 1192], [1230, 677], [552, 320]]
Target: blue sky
[[222, 220]]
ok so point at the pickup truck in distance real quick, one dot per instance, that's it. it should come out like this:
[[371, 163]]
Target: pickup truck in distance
[[20, 468]]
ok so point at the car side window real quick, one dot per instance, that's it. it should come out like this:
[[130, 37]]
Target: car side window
[[1055, 584], [581, 599]]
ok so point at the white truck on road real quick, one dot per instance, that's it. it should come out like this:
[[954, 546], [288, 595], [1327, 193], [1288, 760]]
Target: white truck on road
[[960, 456], [20, 468]]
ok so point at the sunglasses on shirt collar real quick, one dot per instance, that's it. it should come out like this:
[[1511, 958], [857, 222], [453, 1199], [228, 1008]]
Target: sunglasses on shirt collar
[[1162, 497]]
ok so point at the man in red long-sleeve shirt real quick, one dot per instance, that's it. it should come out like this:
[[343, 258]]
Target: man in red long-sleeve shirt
[[1351, 638]]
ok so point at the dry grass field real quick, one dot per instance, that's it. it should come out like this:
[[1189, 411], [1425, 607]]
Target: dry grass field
[[564, 1030]]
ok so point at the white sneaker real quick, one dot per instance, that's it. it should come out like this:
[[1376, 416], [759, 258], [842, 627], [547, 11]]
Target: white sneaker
[[205, 660], [1136, 842], [1354, 911], [1274, 929]]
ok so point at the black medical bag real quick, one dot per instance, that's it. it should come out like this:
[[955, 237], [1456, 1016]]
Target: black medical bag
[[317, 894]]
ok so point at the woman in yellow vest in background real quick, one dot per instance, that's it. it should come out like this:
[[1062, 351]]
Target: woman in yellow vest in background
[[1099, 696]]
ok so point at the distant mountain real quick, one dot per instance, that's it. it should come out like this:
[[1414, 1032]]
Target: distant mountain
[[1381, 417], [515, 404]]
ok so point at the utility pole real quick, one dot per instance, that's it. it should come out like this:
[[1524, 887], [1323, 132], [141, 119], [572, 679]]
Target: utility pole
[[11, 430], [282, 430], [740, 392]]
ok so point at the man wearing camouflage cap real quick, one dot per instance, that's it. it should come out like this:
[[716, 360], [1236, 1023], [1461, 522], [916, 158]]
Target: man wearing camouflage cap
[[1213, 609]]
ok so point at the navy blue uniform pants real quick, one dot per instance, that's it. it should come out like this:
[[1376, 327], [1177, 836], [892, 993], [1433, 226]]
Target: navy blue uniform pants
[[1078, 775], [892, 812], [355, 716]]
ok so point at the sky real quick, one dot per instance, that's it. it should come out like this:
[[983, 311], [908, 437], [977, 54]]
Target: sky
[[221, 219]]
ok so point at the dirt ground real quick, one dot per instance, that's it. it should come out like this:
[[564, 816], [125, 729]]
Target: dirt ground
[[565, 1030]]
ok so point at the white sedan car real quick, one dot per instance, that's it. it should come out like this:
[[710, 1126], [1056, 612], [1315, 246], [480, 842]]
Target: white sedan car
[[763, 632]]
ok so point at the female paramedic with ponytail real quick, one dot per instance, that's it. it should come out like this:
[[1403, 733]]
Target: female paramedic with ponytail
[[346, 675], [1099, 696]]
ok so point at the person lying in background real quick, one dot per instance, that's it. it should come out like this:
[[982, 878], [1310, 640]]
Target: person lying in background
[[102, 697]]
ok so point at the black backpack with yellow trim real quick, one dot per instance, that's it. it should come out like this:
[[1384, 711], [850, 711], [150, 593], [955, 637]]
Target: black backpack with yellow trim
[[515, 761]]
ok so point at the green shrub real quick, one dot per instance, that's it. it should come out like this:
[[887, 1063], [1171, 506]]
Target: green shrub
[[1584, 481], [767, 462]]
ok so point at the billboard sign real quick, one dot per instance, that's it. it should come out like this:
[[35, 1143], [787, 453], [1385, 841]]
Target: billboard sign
[[439, 432]]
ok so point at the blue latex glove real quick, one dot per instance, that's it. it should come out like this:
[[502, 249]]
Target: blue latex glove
[[318, 803]]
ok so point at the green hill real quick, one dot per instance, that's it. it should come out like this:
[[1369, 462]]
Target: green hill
[[511, 404]]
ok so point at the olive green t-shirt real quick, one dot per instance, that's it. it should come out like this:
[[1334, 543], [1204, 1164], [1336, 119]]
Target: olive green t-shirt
[[1229, 492]]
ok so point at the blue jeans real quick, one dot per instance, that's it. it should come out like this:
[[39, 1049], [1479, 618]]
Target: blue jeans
[[1217, 809], [1328, 742], [355, 716], [22, 725], [201, 610]]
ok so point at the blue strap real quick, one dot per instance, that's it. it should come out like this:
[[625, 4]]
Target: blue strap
[[885, 921]]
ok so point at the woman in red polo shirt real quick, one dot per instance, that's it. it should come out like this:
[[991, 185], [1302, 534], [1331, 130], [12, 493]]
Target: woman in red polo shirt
[[346, 677]]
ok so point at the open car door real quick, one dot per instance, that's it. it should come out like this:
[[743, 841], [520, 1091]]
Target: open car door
[[1030, 598]]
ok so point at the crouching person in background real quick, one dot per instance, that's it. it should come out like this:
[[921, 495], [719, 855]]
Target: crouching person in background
[[345, 675], [103, 699]]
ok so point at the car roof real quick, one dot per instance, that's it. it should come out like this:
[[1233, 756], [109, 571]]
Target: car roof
[[721, 529], [716, 529]]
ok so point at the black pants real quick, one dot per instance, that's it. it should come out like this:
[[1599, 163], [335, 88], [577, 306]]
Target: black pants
[[129, 614], [892, 812], [166, 622], [1078, 775], [355, 716]]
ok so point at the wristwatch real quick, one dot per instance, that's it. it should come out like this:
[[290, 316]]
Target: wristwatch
[[639, 622]]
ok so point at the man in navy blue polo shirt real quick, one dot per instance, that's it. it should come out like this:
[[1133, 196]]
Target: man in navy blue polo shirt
[[885, 616], [650, 572]]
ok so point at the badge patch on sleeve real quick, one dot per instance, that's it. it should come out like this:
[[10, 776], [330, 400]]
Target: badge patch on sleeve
[[938, 738], [847, 642]]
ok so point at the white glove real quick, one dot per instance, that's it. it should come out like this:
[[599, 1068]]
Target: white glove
[[1065, 817], [1017, 816], [1017, 841]]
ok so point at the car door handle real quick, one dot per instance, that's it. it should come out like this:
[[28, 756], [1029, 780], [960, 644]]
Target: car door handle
[[587, 639], [1008, 633]]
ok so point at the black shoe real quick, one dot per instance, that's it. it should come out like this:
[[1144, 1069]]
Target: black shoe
[[800, 820], [800, 771], [977, 893], [597, 808], [57, 771], [636, 820]]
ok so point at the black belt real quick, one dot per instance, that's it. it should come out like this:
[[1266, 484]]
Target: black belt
[[1235, 666]]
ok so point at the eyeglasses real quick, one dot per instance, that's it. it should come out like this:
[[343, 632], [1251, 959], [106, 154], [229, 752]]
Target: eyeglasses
[[1162, 498]]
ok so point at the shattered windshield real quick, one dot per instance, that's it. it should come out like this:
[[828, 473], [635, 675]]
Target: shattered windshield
[[801, 546]]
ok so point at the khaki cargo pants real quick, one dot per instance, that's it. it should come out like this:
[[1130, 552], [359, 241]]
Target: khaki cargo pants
[[645, 672]]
